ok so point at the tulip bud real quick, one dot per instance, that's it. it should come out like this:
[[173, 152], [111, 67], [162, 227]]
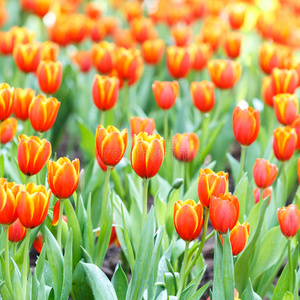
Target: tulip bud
[[181, 35], [267, 192], [8, 129], [267, 91], [16, 232], [264, 173], [289, 220], [104, 56], [236, 15], [153, 51], [23, 98], [201, 53], [110, 23], [177, 183], [93, 10], [138, 125], [49, 51], [41, 7], [188, 219], [286, 108], [185, 146], [284, 81], [38, 243], [132, 10], [143, 29], [232, 44], [83, 59], [165, 93], [56, 214], [296, 126], [179, 61], [7, 101], [203, 95], [124, 39], [98, 31], [8, 204], [239, 236], [269, 57]]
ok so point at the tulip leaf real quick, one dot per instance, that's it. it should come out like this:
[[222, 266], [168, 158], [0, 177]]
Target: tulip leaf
[[40, 264], [228, 274], [288, 296], [120, 283], [169, 213], [35, 287], [249, 294], [185, 292], [87, 142], [88, 235], [99, 283], [196, 281], [197, 295], [234, 167]]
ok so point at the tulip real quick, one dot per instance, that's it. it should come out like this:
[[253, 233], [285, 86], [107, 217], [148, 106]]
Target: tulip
[[110, 23], [56, 211], [284, 142], [104, 56], [188, 219], [224, 212], [284, 81], [23, 98], [165, 93], [49, 51], [236, 15], [93, 10], [8, 129], [59, 32], [113, 237], [41, 7], [8, 204], [232, 44], [267, 192], [224, 73], [98, 31], [286, 108], [132, 10], [239, 237], [124, 38], [43, 112], [289, 220], [49, 75], [16, 232], [269, 57], [105, 91], [153, 51], [83, 59], [185, 146], [138, 125], [181, 35], [110, 145], [27, 56], [296, 126], [38, 243], [267, 91], [203, 95], [211, 184], [6, 101], [264, 173], [179, 61], [201, 53], [79, 28], [143, 29]]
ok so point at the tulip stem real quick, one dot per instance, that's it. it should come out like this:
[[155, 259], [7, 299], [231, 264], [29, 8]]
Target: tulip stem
[[102, 118], [205, 124], [242, 162], [187, 176], [7, 273], [25, 263], [60, 220], [145, 199], [210, 235], [166, 129], [291, 265], [105, 195], [27, 178], [183, 267]]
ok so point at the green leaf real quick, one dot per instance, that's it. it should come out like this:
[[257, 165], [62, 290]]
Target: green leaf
[[200, 292], [196, 281], [249, 294], [87, 142], [184, 293], [86, 256], [218, 285], [228, 276], [288, 296], [99, 283], [234, 167], [120, 283], [40, 264], [88, 235], [35, 287]]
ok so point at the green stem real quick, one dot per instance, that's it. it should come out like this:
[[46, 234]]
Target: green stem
[[7, 273], [242, 162], [187, 176], [205, 125], [60, 220], [105, 195], [210, 235], [291, 265], [27, 178], [145, 199], [25, 263], [183, 273], [102, 118], [166, 129]]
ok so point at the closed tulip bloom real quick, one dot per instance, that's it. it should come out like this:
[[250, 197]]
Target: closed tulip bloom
[[239, 236], [203, 95], [38, 243], [246, 125], [211, 184], [43, 112], [105, 91], [236, 15], [8, 129], [124, 38], [93, 10], [33, 204], [16, 232], [284, 81], [224, 73], [296, 126], [49, 75], [147, 154], [143, 29], [185, 146], [201, 55], [98, 31], [8, 204], [269, 57], [179, 61], [267, 192], [267, 91], [286, 108], [111, 24], [79, 28], [153, 51], [138, 125], [63, 176], [27, 56], [289, 220], [55, 218], [49, 51], [188, 219], [110, 144], [232, 44], [23, 98], [264, 173], [83, 59], [104, 56], [33, 154], [165, 93], [224, 212], [41, 7], [284, 142], [181, 35], [7, 101]]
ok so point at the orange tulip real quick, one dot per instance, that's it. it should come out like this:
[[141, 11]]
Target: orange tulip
[[284, 142], [33, 204], [93, 10], [153, 51], [188, 219], [38, 243], [104, 56], [98, 31], [49, 51], [138, 125], [105, 91], [124, 38], [147, 154], [181, 35], [267, 91], [110, 23], [23, 98], [113, 237], [269, 57], [59, 32], [49, 75], [211, 184], [41, 7], [267, 192], [143, 29], [224, 212], [110, 145], [201, 53], [232, 44], [43, 112], [7, 101], [8, 204], [83, 59], [236, 15], [132, 10], [203, 95], [179, 61], [16, 232], [264, 173], [33, 154], [224, 73], [79, 28], [286, 108], [284, 81], [239, 236], [296, 126], [27, 56], [63, 176], [185, 146], [165, 93], [289, 220], [56, 209], [8, 129]]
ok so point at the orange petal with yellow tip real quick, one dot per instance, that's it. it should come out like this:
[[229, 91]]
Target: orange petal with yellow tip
[[112, 149], [138, 158], [56, 213], [154, 158]]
